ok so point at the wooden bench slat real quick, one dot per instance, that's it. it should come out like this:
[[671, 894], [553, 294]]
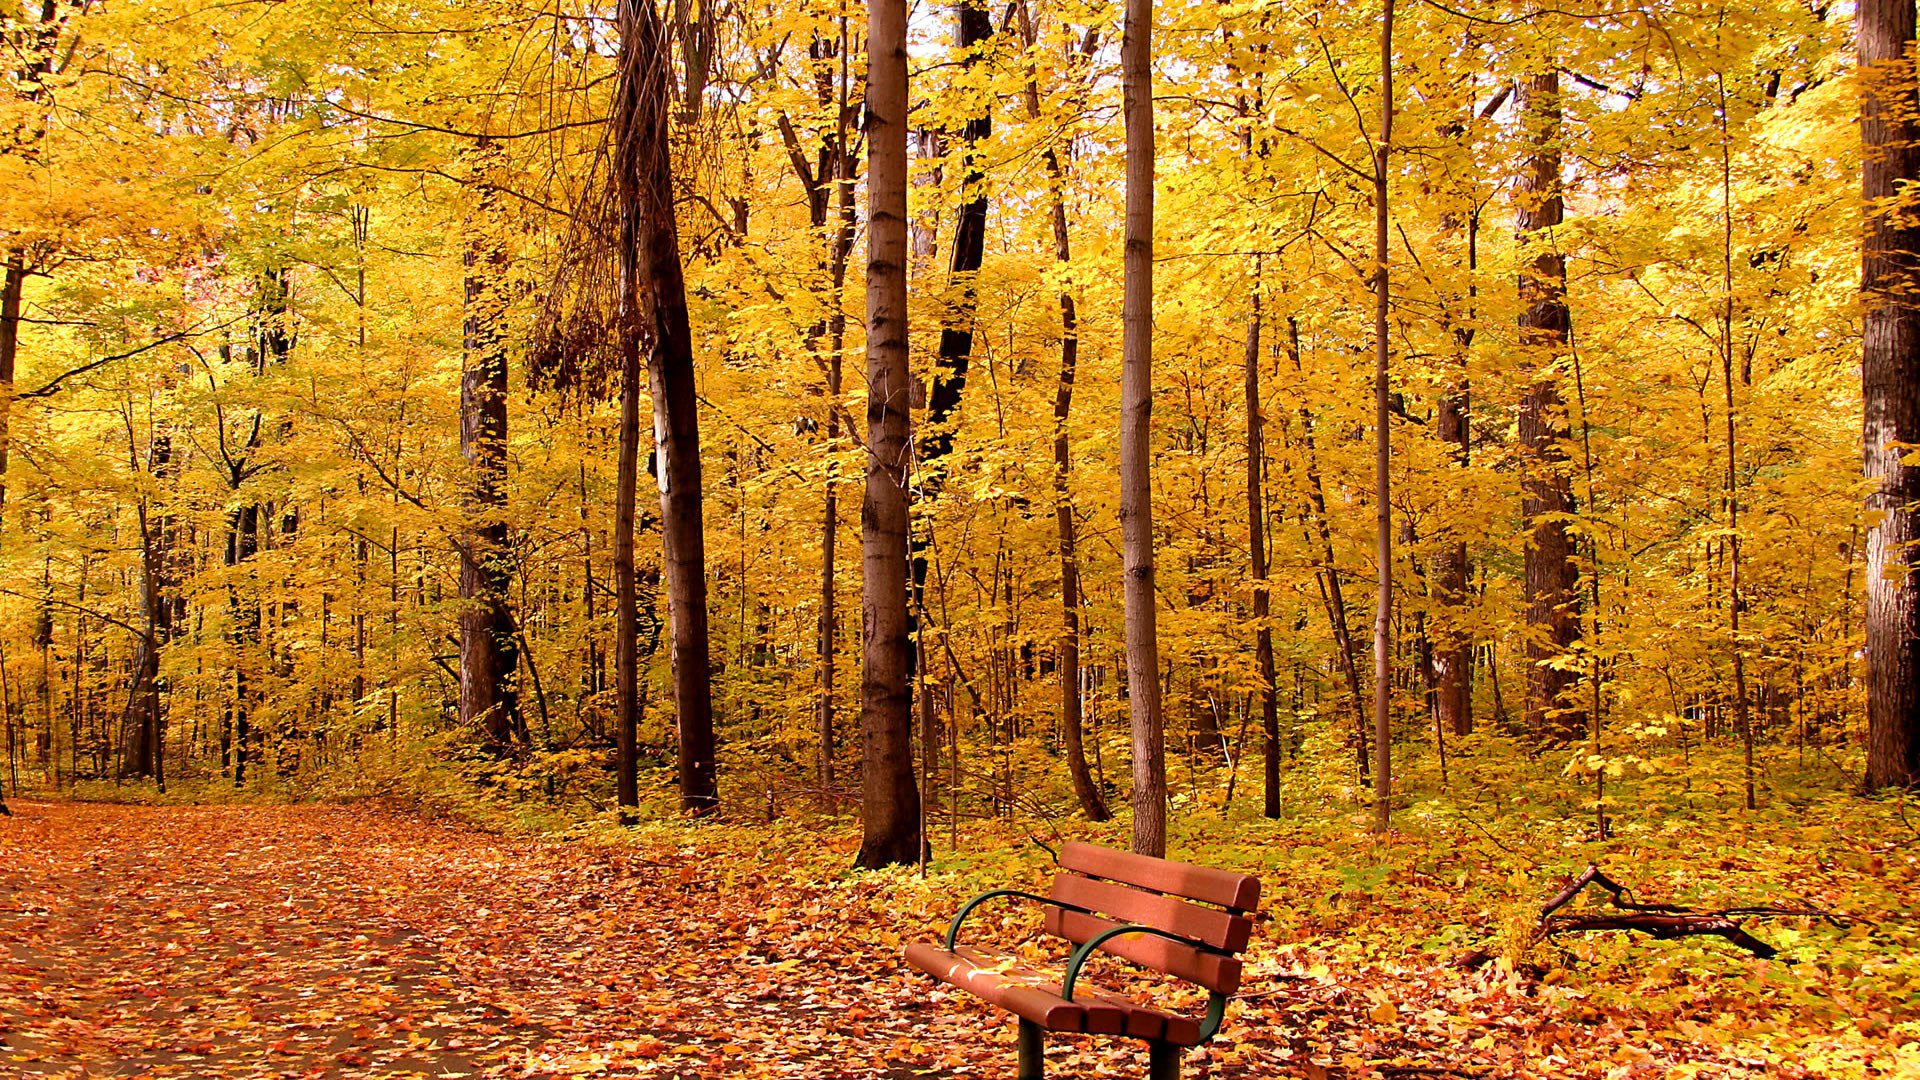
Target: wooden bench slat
[[1198, 966], [1241, 892], [1209, 926]]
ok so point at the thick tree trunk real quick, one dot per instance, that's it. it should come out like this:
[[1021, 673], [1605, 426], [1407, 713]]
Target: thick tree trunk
[[657, 301], [1382, 449], [1553, 620], [142, 721], [890, 798], [1136, 440], [1890, 260], [488, 652]]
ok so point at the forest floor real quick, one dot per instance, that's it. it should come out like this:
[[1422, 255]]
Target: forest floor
[[363, 941]]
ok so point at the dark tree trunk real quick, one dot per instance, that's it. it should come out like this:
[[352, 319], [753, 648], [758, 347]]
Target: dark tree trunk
[[9, 350], [142, 721], [1452, 666], [1269, 693], [890, 798], [1553, 619], [1891, 389], [657, 303], [488, 652], [626, 605]]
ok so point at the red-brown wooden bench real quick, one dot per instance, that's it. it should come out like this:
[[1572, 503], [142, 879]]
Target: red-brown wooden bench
[[1176, 918]]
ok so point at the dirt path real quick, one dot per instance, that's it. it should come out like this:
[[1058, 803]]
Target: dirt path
[[352, 941], [219, 942]]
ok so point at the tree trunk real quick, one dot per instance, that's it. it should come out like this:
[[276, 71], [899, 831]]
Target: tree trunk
[[657, 303], [626, 603], [16, 278], [1067, 652], [1891, 390], [890, 798], [1553, 620], [1257, 555], [1382, 449], [142, 719], [1453, 648], [1332, 594], [1136, 435], [488, 653]]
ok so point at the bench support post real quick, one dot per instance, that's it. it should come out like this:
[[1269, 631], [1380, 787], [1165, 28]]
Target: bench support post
[[1163, 1061], [1032, 1049]]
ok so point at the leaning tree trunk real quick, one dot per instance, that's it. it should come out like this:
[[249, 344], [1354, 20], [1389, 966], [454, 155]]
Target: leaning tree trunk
[[1136, 433], [1891, 389], [973, 27], [1553, 621], [657, 300], [890, 799], [488, 652]]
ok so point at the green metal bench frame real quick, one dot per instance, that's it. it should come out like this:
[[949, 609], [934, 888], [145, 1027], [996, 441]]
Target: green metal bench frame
[[1163, 1057]]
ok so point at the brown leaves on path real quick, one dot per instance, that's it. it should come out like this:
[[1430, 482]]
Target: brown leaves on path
[[360, 941]]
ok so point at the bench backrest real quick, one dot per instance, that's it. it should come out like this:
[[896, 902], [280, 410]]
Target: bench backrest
[[1209, 910]]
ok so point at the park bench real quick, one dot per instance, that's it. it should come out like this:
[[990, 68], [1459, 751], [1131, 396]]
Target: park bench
[[1176, 918]]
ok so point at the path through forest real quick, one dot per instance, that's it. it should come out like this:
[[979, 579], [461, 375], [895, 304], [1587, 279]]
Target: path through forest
[[359, 941], [355, 941]]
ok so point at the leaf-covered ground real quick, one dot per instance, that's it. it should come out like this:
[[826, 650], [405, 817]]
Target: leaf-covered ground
[[361, 941]]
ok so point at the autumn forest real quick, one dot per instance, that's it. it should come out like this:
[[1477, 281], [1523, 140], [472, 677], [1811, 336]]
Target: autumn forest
[[481, 456]]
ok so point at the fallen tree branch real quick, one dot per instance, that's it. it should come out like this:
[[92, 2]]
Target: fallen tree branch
[[1662, 922]]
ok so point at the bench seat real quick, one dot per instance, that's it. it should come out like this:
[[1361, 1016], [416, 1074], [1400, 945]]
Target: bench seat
[[1182, 920], [1002, 980]]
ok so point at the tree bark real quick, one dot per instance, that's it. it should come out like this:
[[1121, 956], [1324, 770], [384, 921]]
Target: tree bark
[[1067, 652], [1269, 693], [890, 797], [1382, 449], [10, 295], [658, 301], [1552, 596], [1332, 594], [1890, 371], [489, 655], [1136, 438]]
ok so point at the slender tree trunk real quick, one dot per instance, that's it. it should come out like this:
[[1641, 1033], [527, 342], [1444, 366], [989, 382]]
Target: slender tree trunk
[[1890, 258], [10, 295], [890, 798], [626, 604], [1269, 693], [973, 26], [1136, 440], [1067, 653], [1553, 621], [1382, 449], [1333, 594], [488, 653], [1453, 647]]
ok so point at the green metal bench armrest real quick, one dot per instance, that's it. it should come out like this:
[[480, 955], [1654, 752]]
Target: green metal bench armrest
[[1216, 1001], [953, 930]]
